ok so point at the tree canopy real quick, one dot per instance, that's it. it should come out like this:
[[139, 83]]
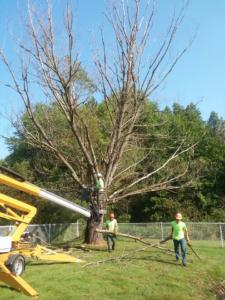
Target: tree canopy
[[199, 193]]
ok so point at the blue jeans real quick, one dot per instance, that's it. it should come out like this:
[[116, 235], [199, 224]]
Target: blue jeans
[[111, 241], [182, 245]]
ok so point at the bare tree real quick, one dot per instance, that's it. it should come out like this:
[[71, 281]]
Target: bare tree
[[126, 77]]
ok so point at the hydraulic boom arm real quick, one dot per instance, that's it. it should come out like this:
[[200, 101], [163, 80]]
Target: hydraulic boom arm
[[38, 192], [16, 210]]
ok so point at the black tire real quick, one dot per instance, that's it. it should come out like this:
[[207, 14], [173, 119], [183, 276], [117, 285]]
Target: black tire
[[16, 264]]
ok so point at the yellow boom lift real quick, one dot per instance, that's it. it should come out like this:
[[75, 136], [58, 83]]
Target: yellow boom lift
[[12, 250]]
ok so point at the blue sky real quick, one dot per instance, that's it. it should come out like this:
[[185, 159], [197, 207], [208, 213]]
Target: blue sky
[[199, 76]]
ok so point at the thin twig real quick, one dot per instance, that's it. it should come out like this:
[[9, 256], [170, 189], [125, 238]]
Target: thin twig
[[115, 258]]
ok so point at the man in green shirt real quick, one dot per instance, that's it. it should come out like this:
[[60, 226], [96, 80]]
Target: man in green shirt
[[100, 186], [100, 183], [179, 234], [112, 226]]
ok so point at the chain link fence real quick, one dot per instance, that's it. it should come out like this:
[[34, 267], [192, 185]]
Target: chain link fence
[[49, 233], [197, 231], [59, 233]]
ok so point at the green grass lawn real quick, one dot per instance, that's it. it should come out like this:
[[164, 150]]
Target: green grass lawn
[[150, 274]]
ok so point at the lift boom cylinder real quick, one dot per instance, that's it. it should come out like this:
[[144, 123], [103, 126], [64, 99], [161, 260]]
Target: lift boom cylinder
[[38, 192]]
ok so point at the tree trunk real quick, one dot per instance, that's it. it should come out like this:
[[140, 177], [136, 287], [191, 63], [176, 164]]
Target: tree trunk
[[95, 221]]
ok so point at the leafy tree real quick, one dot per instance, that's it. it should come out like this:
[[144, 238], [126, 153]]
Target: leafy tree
[[87, 143]]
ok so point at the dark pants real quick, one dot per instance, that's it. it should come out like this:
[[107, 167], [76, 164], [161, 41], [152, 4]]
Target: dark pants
[[182, 245], [111, 242]]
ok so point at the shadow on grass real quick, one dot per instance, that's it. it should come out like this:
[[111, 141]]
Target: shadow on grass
[[33, 263], [7, 287], [160, 260], [96, 250], [156, 259]]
